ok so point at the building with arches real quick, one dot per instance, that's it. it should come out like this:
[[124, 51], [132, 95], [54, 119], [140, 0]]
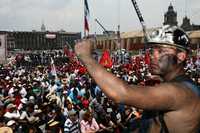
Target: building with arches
[[135, 40]]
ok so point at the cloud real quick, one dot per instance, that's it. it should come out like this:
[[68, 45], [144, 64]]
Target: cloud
[[28, 14], [68, 14]]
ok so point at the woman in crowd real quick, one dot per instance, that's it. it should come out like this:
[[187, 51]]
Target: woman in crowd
[[89, 124]]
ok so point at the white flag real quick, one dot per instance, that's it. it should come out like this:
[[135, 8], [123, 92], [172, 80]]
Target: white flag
[[53, 68]]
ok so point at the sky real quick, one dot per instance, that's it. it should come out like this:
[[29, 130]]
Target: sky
[[28, 15]]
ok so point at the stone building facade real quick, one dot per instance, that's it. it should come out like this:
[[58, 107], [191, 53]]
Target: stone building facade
[[135, 40], [170, 17], [38, 40], [187, 26]]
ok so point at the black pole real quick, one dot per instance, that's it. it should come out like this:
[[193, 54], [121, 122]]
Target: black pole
[[102, 27], [139, 14], [84, 18], [118, 42]]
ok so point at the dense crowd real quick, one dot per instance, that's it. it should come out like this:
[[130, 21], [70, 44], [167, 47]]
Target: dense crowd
[[51, 92]]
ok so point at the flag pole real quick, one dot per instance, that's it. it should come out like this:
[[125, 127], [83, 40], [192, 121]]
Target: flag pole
[[108, 34], [84, 14], [139, 14]]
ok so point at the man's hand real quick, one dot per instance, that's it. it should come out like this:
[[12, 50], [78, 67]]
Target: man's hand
[[83, 48]]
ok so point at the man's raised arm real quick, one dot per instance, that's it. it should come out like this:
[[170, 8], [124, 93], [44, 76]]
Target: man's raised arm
[[120, 91]]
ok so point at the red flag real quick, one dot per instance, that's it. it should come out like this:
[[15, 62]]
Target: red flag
[[82, 69], [106, 60], [137, 60], [86, 25], [147, 59], [66, 51]]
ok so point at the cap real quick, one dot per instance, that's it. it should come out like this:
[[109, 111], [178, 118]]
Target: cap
[[24, 100], [71, 112], [9, 106], [53, 123], [7, 78], [170, 36], [8, 101], [31, 98], [10, 123]]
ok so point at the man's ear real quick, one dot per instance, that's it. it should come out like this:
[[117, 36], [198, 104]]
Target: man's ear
[[181, 56]]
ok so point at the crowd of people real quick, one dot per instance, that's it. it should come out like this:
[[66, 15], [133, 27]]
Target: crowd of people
[[41, 96]]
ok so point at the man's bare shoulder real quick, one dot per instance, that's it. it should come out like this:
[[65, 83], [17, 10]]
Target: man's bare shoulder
[[164, 96], [184, 110], [182, 94], [178, 88]]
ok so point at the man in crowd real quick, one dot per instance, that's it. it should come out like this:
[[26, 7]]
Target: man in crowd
[[176, 100], [72, 123]]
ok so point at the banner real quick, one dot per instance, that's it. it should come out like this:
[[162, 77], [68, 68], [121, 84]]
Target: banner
[[3, 48]]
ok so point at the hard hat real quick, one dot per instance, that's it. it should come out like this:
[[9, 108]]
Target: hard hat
[[170, 36]]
